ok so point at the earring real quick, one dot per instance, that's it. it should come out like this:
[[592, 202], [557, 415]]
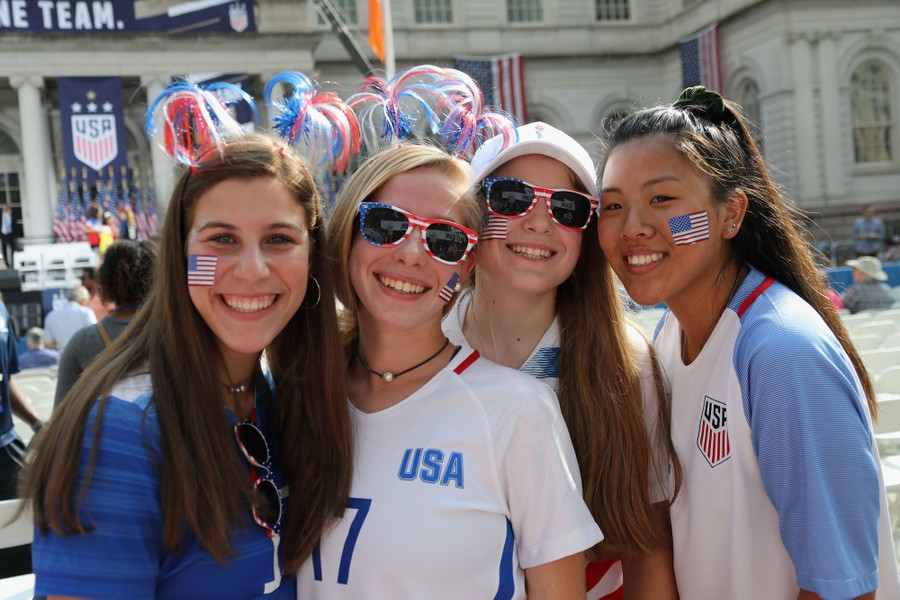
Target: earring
[[318, 293], [731, 228]]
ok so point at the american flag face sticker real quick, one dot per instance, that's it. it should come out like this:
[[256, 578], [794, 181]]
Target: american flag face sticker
[[446, 293], [495, 228], [690, 229], [712, 436], [202, 270]]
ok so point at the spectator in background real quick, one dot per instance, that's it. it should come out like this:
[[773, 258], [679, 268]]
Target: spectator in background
[[62, 323], [7, 235], [95, 303], [37, 356], [125, 278], [107, 234], [868, 289], [92, 225], [869, 232], [127, 224]]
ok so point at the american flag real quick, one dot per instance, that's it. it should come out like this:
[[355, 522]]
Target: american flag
[[449, 288], [62, 217], [152, 219], [700, 63], [140, 218], [496, 228], [501, 79], [690, 229], [201, 270]]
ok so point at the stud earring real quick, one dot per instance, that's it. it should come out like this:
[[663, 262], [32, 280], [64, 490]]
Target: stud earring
[[731, 228]]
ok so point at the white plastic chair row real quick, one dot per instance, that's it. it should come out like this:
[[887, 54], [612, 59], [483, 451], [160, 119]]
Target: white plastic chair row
[[880, 359]]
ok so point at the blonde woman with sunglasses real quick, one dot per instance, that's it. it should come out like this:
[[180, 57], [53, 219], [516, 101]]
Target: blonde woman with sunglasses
[[545, 302], [177, 466], [465, 484]]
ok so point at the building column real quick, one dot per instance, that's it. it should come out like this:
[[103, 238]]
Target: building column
[[40, 172], [805, 146], [831, 135], [163, 164]]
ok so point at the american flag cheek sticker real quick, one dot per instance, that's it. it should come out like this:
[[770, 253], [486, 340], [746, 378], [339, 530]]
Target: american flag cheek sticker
[[201, 270], [495, 228], [690, 229]]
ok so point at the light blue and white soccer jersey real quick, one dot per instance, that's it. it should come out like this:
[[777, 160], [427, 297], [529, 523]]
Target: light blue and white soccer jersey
[[603, 579], [456, 490], [782, 485], [123, 556]]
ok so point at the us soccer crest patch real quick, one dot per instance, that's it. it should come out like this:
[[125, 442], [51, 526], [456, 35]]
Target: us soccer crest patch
[[712, 436]]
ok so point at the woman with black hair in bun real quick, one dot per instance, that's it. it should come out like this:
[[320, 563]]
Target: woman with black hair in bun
[[772, 407]]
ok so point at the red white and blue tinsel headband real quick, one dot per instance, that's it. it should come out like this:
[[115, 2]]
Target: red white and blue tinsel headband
[[188, 121], [321, 125]]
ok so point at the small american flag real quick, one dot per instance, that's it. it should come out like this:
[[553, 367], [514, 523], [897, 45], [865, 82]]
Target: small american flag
[[501, 79], [61, 218], [495, 229], [449, 289], [690, 229], [202, 269], [700, 63]]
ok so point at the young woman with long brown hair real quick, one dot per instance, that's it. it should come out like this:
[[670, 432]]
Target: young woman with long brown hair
[[183, 463], [546, 302]]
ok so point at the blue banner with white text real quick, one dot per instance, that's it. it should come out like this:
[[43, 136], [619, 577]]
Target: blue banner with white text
[[93, 127], [107, 16]]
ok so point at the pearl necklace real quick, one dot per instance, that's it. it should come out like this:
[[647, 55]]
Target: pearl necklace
[[388, 376]]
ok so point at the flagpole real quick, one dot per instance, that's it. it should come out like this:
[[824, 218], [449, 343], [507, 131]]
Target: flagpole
[[390, 64]]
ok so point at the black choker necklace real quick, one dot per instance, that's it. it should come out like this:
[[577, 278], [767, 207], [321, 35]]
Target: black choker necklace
[[389, 377], [236, 389]]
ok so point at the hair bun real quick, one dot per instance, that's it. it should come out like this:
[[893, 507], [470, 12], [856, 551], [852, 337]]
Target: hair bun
[[704, 101]]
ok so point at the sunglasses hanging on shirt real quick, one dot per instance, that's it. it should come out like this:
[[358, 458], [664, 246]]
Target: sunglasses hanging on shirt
[[516, 198], [267, 509], [386, 225]]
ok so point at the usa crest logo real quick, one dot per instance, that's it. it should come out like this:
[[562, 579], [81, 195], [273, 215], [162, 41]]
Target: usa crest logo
[[94, 138], [712, 436], [237, 16]]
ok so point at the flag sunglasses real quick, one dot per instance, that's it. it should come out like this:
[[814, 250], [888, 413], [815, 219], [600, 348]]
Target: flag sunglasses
[[516, 198], [267, 500], [445, 241]]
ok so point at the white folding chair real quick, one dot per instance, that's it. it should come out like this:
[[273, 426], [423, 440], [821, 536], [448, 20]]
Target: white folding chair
[[854, 320], [878, 360], [877, 326], [888, 381], [891, 341], [866, 341]]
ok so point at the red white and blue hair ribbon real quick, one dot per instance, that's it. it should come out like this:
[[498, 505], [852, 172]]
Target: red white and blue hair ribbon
[[188, 121], [321, 125]]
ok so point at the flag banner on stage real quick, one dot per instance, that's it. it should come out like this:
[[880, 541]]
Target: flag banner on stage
[[106, 16], [501, 79], [93, 125], [700, 64]]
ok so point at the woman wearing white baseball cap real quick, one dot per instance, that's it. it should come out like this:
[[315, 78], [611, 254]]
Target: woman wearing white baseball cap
[[545, 302]]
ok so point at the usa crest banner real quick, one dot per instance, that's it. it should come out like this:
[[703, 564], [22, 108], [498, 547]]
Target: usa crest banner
[[93, 125]]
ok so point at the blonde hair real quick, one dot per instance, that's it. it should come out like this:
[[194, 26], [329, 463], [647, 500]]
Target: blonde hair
[[365, 182]]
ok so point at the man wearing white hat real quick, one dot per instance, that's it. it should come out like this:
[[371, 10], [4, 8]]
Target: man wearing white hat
[[868, 290]]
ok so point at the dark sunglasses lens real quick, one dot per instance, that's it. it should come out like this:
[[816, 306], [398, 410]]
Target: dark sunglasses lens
[[510, 198], [447, 242], [384, 226], [253, 442], [570, 209], [267, 503]]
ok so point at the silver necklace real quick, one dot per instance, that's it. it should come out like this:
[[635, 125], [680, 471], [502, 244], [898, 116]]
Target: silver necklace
[[236, 389]]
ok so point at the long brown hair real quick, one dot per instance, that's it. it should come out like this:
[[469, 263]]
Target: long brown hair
[[712, 134], [601, 387], [204, 486]]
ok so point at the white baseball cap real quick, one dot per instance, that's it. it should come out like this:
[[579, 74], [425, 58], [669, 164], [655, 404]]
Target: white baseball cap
[[537, 138]]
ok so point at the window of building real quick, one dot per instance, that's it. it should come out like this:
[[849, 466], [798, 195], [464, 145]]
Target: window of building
[[7, 145], [433, 11], [613, 10], [747, 96], [871, 93], [524, 11], [345, 8]]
